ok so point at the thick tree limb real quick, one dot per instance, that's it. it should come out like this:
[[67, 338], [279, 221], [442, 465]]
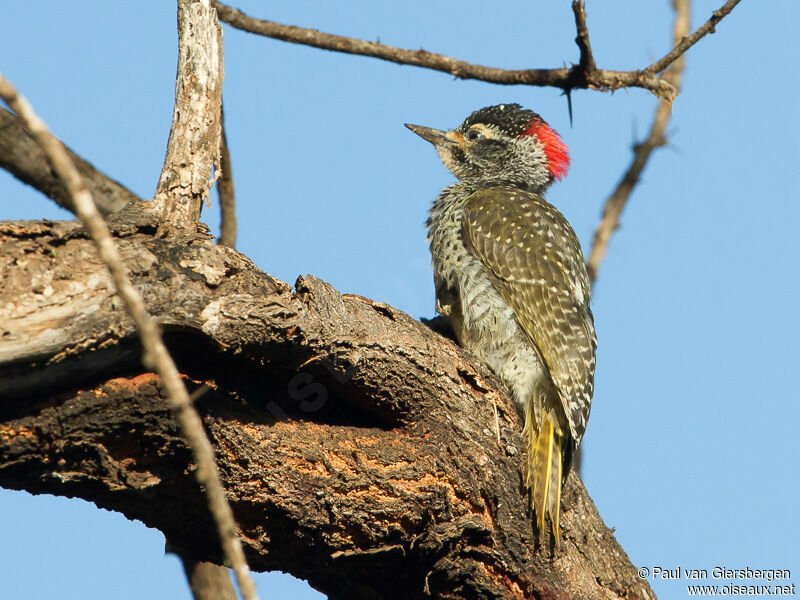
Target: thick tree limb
[[156, 355], [357, 446], [155, 352], [612, 210], [193, 146], [22, 157], [581, 76]]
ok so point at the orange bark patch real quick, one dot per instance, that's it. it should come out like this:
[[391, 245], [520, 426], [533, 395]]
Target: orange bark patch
[[9, 433], [132, 384]]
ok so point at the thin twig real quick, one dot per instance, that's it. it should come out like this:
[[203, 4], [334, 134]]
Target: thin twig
[[586, 62], [685, 42], [615, 203], [155, 352], [227, 197], [567, 79]]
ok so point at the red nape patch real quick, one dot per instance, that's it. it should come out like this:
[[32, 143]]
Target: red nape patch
[[554, 147]]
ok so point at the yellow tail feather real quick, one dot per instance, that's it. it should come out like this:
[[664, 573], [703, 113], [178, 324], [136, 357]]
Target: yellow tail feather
[[544, 469]]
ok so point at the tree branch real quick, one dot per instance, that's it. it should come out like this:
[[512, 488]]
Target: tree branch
[[207, 580], [586, 62], [156, 355], [227, 196], [22, 157], [684, 42], [563, 78], [577, 77], [354, 442], [193, 146], [615, 203]]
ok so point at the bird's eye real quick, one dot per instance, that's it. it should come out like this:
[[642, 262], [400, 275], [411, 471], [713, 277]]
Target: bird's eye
[[474, 134]]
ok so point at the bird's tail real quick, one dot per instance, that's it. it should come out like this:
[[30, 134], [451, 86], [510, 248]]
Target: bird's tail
[[543, 473]]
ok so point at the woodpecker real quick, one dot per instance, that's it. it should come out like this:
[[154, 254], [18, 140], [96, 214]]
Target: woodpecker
[[510, 278]]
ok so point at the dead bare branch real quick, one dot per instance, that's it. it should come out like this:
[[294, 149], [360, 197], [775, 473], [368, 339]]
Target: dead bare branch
[[193, 146], [586, 62], [684, 42], [564, 78], [156, 354], [576, 77], [615, 203]]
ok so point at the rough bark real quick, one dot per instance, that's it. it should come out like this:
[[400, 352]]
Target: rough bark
[[358, 447], [193, 146]]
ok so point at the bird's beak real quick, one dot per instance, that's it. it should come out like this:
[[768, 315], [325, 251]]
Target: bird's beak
[[434, 136]]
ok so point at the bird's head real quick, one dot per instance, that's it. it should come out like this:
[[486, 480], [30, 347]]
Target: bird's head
[[501, 143]]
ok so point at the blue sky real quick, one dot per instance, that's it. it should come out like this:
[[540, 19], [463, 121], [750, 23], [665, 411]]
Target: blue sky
[[691, 449]]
